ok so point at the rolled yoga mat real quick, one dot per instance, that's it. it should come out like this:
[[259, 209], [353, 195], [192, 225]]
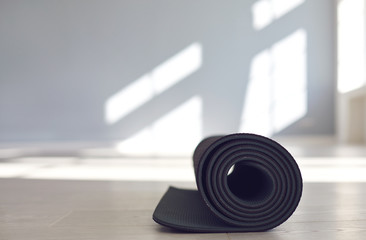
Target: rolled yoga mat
[[245, 182]]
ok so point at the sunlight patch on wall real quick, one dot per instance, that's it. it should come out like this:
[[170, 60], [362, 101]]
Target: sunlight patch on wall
[[176, 133], [277, 92], [266, 11], [351, 45], [153, 83], [256, 115]]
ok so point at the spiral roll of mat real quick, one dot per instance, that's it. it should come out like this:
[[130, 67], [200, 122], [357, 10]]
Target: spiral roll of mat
[[245, 182]]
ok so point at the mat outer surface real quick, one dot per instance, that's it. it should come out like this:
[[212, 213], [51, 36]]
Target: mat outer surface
[[245, 182]]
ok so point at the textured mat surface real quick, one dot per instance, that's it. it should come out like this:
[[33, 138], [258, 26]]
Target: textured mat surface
[[245, 182]]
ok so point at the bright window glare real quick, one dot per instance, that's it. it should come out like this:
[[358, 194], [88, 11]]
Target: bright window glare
[[151, 84], [276, 93], [176, 133], [266, 11], [351, 42]]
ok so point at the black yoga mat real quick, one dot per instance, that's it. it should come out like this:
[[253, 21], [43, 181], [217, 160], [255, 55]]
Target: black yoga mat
[[245, 182]]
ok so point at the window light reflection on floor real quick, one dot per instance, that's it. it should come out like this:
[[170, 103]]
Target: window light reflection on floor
[[314, 169]]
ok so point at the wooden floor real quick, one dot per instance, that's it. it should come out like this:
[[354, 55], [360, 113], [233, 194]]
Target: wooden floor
[[68, 198]]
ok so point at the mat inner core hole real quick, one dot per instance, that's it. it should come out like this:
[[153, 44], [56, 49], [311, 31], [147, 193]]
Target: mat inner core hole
[[249, 182]]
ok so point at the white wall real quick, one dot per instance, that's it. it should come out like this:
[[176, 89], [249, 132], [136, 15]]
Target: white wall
[[60, 62]]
